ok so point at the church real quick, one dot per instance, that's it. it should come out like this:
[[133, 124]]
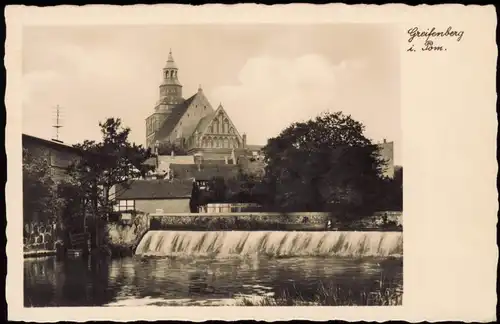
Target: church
[[193, 123]]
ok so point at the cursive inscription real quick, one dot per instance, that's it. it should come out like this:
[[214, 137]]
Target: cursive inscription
[[432, 39]]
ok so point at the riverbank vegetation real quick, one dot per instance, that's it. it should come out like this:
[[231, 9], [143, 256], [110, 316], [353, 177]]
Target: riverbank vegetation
[[333, 295], [393, 298]]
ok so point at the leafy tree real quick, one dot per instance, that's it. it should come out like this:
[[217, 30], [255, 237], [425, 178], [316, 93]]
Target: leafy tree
[[39, 193], [218, 190], [324, 164], [247, 187], [391, 192], [105, 164], [70, 202]]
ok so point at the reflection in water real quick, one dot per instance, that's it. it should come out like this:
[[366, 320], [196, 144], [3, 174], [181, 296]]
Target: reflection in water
[[155, 281]]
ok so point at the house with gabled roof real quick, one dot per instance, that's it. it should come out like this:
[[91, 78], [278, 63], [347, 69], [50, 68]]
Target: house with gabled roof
[[193, 123], [150, 196]]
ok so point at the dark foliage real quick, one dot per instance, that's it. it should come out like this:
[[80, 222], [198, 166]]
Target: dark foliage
[[324, 164]]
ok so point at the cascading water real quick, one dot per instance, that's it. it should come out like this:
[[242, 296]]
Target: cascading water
[[278, 244]]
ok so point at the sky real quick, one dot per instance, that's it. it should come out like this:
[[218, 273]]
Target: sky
[[265, 76]]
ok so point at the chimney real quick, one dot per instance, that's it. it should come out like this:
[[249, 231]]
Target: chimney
[[385, 141], [156, 145], [244, 137], [198, 159]]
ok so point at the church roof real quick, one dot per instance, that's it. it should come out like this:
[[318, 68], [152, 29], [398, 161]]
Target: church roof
[[204, 122], [173, 118], [207, 120]]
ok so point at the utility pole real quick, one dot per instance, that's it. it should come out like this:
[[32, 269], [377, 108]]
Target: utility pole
[[57, 122]]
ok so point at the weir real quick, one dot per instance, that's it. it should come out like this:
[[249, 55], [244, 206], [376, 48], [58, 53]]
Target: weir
[[274, 244]]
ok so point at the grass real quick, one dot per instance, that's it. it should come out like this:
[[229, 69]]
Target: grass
[[331, 295]]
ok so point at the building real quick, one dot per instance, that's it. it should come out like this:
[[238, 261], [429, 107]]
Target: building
[[153, 196], [161, 164], [58, 154], [386, 150], [204, 173], [193, 123]]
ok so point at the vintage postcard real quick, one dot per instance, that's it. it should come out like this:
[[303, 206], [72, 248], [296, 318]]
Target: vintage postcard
[[246, 162]]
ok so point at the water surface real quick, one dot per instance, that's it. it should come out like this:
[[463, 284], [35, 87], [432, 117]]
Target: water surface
[[140, 280]]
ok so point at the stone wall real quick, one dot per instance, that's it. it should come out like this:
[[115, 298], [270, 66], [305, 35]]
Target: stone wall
[[387, 220], [39, 236], [123, 238], [306, 221], [240, 221]]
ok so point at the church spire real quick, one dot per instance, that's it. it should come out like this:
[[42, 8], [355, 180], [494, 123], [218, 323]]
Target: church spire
[[171, 88], [170, 61]]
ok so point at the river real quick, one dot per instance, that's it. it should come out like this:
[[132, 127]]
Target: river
[[145, 280]]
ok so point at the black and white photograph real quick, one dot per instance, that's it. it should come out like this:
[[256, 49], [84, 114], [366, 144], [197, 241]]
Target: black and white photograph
[[212, 165]]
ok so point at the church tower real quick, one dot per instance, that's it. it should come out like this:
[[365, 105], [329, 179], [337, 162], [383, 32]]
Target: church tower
[[170, 96], [170, 88]]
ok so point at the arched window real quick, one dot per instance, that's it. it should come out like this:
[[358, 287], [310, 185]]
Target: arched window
[[216, 127], [226, 143]]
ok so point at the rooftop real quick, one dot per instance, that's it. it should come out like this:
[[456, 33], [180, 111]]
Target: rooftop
[[154, 189], [52, 143], [205, 171]]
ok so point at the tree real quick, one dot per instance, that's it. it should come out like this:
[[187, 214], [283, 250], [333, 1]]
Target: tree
[[39, 204], [391, 192], [70, 208], [324, 164], [107, 163], [218, 190], [247, 187]]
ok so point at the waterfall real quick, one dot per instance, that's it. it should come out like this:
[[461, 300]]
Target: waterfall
[[277, 244]]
